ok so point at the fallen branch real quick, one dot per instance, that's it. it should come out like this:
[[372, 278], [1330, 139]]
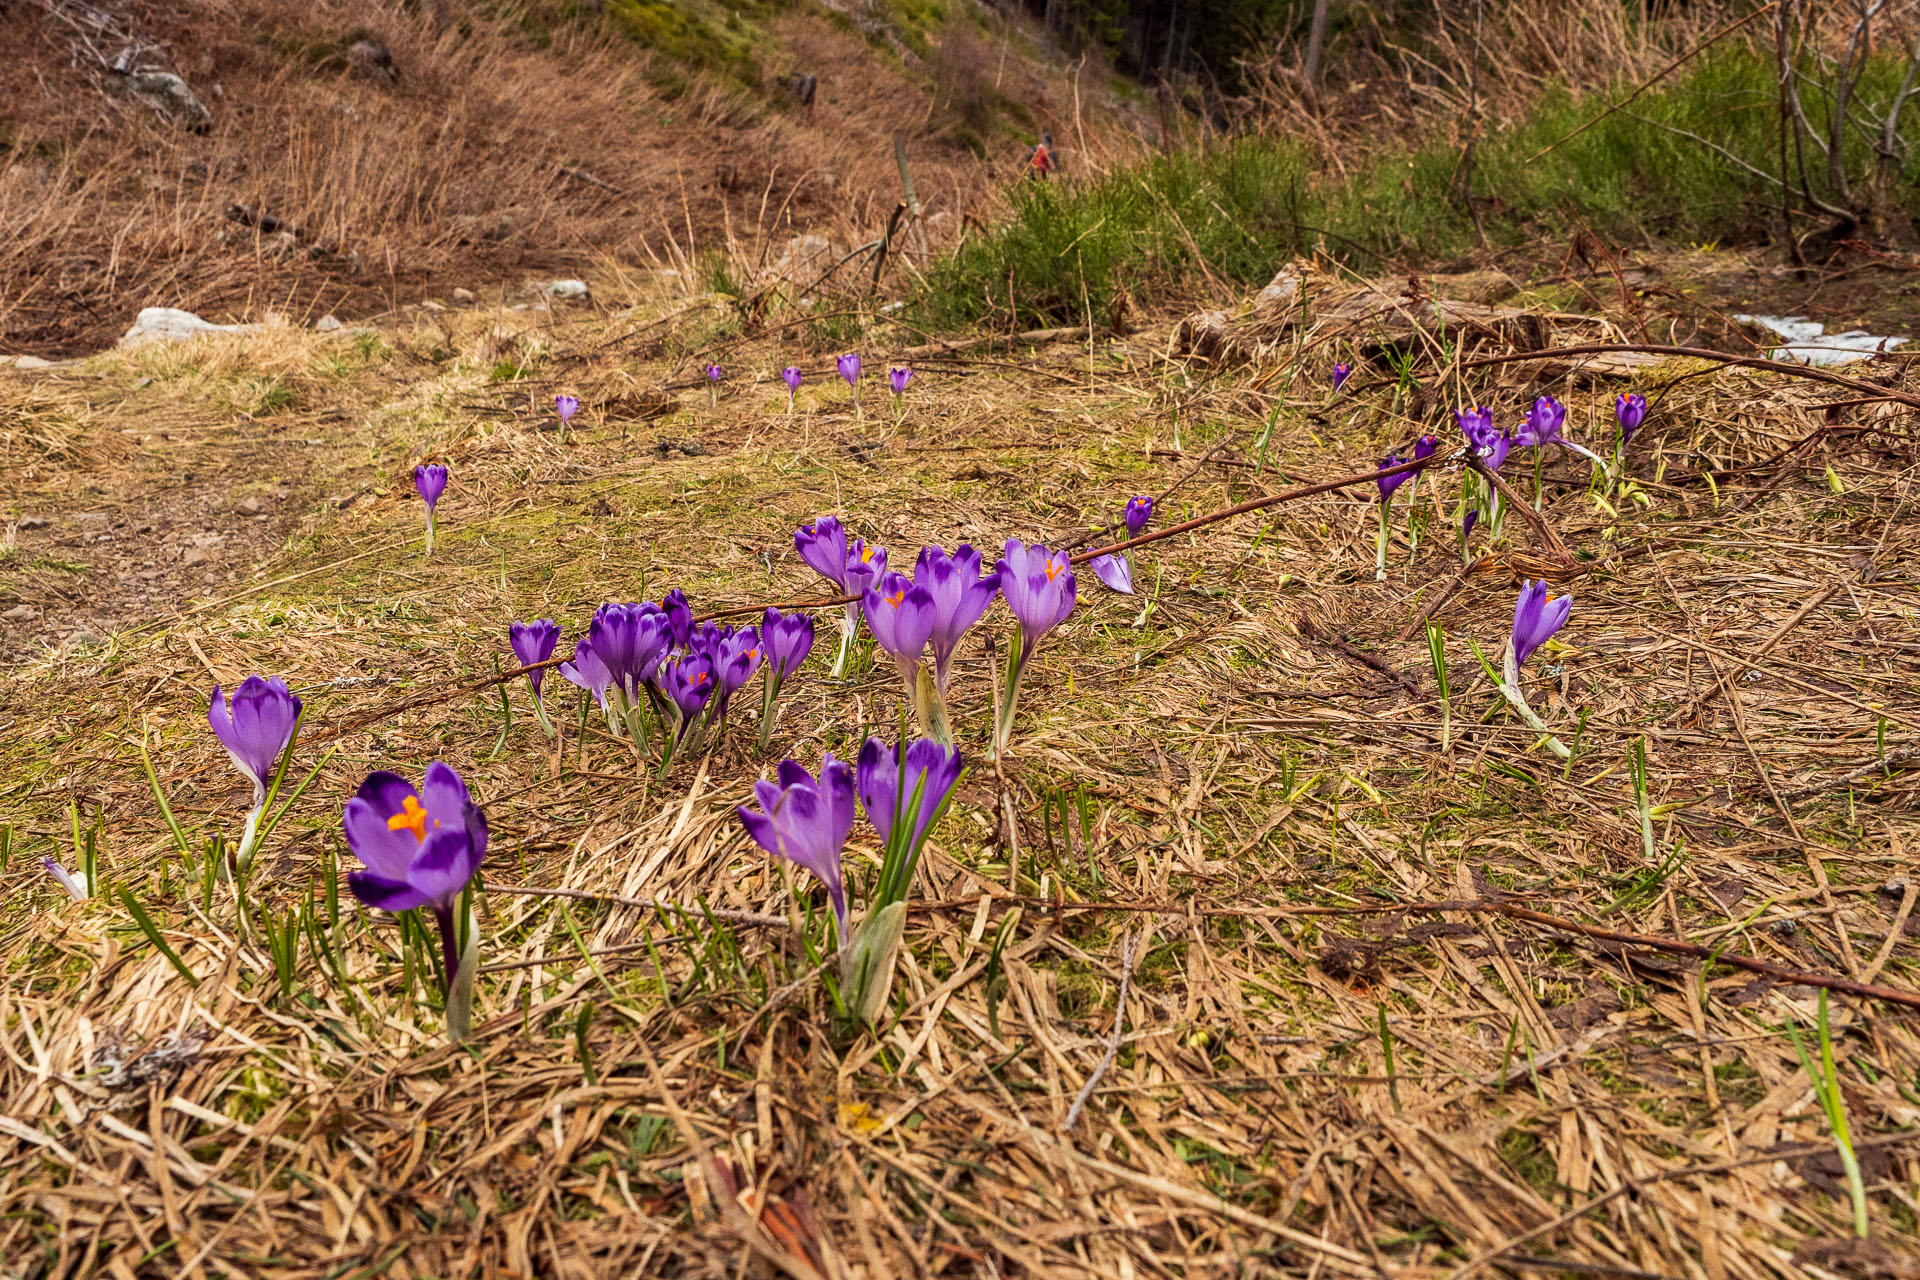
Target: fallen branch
[[1128, 952]]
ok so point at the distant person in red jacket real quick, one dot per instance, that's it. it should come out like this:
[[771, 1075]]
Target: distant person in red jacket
[[1040, 160]]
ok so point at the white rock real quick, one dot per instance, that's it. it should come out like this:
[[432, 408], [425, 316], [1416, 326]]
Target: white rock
[[327, 324], [174, 325], [563, 289], [463, 295], [31, 362]]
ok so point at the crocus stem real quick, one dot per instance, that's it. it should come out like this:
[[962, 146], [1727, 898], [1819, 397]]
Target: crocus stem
[[540, 714], [930, 708], [1380, 542], [449, 942], [1536, 478], [250, 835], [1009, 697], [849, 631], [429, 533], [769, 696], [1510, 690]]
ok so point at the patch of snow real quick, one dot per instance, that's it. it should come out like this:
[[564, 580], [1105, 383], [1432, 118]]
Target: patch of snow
[[1808, 342]]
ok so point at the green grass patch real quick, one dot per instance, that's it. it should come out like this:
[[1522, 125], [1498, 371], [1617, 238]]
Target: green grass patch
[[1231, 212]]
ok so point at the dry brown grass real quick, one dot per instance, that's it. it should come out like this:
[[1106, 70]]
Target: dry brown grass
[[451, 177], [1272, 823]]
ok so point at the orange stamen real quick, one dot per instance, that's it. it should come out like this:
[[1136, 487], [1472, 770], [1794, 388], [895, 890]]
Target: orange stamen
[[411, 818]]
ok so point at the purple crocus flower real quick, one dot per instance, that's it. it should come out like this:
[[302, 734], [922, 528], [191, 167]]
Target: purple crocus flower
[[1467, 522], [1543, 423], [900, 614], [714, 372], [806, 822], [1630, 410], [430, 478], [1495, 454], [1477, 426], [689, 682], [1425, 447], [852, 567], [1387, 484], [849, 366], [1138, 512], [630, 640], [735, 657], [533, 644], [788, 638], [566, 407], [959, 595], [72, 883], [420, 848], [1114, 571], [791, 376], [1535, 618], [1039, 587], [679, 616], [887, 788], [588, 671], [897, 378], [255, 727], [1341, 372]]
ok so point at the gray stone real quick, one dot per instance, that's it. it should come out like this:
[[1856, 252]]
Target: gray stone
[[170, 96], [173, 325], [562, 290]]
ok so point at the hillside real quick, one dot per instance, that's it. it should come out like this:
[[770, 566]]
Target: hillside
[[348, 156]]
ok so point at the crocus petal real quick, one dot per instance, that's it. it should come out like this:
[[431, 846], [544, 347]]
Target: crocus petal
[[384, 893], [1139, 510], [446, 860], [1387, 484], [823, 545], [1115, 572]]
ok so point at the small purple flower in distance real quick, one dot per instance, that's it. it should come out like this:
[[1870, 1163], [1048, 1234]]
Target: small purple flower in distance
[[533, 644], [1341, 372], [1138, 512], [806, 822], [1543, 423], [1495, 453], [430, 478], [788, 639], [714, 372], [255, 726], [1631, 411], [1387, 484], [1477, 426], [588, 671], [849, 366], [419, 848], [897, 379], [791, 376], [1114, 571], [1535, 618], [566, 407], [68, 881]]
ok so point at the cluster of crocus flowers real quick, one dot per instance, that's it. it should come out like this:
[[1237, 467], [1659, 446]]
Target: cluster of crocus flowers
[[420, 850], [1040, 590], [430, 479], [564, 407], [1116, 569], [1479, 500], [851, 565], [657, 676], [934, 608], [806, 820], [1535, 619], [257, 726]]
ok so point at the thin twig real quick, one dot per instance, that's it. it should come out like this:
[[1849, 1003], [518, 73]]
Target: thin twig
[[1128, 948]]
